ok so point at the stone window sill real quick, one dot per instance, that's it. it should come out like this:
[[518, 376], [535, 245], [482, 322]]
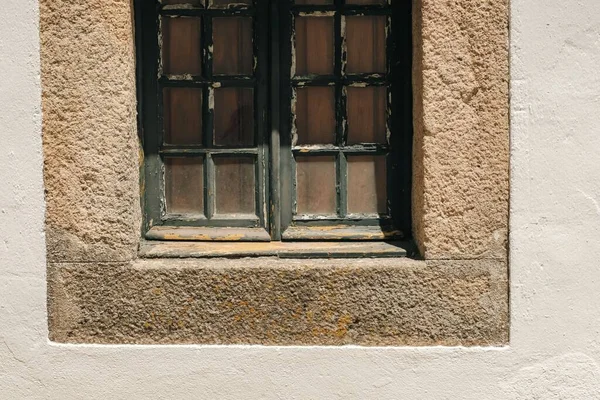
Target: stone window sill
[[174, 249]]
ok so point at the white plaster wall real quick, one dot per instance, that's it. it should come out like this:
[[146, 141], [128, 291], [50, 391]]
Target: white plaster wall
[[554, 351]]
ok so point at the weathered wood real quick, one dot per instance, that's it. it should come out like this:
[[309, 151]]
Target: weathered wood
[[341, 232], [208, 234]]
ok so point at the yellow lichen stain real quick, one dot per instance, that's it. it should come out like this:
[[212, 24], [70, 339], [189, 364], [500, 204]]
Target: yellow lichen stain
[[342, 326], [310, 316], [157, 291], [340, 330]]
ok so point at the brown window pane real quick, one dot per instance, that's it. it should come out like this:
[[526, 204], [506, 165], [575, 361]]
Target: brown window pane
[[367, 114], [181, 46], [183, 115], [366, 2], [190, 2], [229, 3], [314, 45], [318, 2], [232, 44], [316, 185], [315, 115], [184, 185], [235, 192], [367, 191], [365, 40], [234, 117]]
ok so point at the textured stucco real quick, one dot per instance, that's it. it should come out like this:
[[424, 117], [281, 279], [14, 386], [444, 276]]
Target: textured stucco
[[89, 130], [270, 301], [99, 292], [460, 191]]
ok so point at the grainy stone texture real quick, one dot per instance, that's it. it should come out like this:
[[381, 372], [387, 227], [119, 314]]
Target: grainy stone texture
[[98, 292], [89, 130], [285, 302], [460, 192]]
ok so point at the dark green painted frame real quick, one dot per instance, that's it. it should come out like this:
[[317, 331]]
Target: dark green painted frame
[[397, 223], [273, 24], [153, 81]]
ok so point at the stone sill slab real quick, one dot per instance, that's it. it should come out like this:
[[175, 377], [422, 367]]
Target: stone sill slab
[[172, 249], [269, 301]]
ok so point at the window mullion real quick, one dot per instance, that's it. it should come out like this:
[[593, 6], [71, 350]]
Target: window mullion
[[209, 186], [340, 111], [342, 184], [275, 142]]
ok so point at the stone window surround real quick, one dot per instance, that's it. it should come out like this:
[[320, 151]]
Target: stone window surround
[[100, 291]]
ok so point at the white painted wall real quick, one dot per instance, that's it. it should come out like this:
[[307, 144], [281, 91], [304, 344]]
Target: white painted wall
[[555, 245]]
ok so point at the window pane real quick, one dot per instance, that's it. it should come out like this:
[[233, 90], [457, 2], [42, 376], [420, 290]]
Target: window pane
[[232, 44], [365, 40], [191, 2], [315, 115], [316, 185], [184, 185], [228, 3], [235, 192], [367, 189], [314, 45], [319, 2], [367, 114], [234, 117], [182, 115], [366, 1], [181, 47]]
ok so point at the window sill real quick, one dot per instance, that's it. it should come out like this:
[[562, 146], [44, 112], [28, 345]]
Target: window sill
[[174, 249]]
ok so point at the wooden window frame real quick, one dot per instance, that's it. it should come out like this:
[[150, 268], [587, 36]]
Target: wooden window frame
[[274, 149]]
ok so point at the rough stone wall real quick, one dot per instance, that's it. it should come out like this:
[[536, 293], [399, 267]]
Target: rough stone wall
[[99, 292], [283, 302], [461, 128], [89, 130]]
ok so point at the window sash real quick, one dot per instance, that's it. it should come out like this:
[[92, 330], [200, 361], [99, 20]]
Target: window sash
[[275, 172]]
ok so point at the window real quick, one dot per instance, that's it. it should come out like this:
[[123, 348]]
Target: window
[[276, 120]]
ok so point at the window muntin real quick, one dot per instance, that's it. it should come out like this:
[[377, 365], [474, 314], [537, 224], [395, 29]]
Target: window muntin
[[315, 154]]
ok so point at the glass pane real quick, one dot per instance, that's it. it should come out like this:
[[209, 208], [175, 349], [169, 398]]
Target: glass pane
[[234, 117], [366, 1], [316, 185], [183, 115], [367, 114], [190, 2], [319, 2], [232, 44], [181, 47], [314, 45], [229, 3], [315, 115], [235, 192], [367, 189], [365, 40], [184, 185]]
